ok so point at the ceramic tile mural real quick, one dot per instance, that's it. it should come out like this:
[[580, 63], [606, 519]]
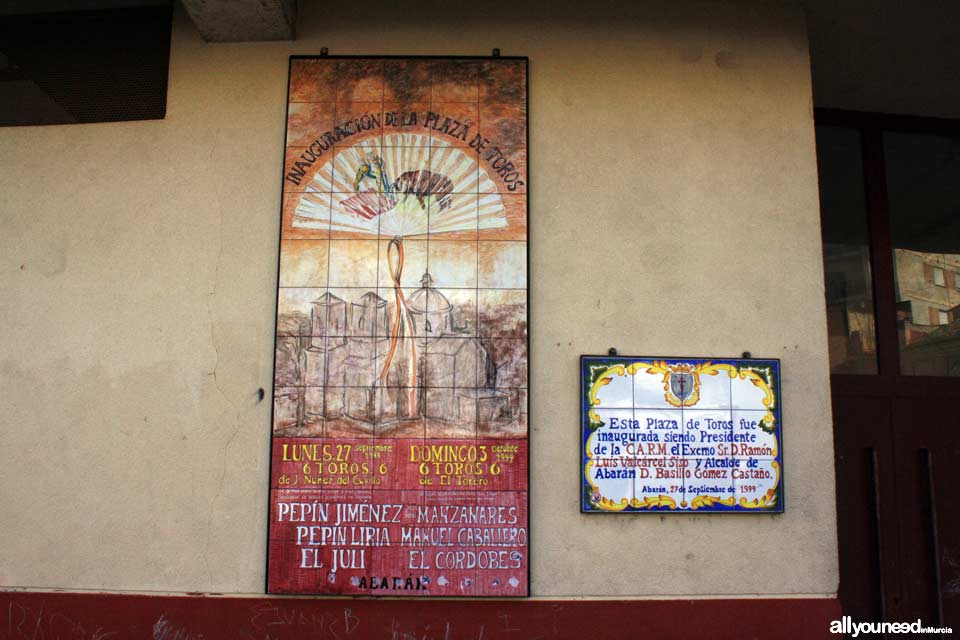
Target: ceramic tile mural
[[400, 404], [687, 435]]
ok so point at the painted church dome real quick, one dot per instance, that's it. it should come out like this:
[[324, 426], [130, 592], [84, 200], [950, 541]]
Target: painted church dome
[[428, 298], [431, 308]]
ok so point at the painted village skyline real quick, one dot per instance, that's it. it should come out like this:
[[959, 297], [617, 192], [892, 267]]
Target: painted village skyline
[[470, 376]]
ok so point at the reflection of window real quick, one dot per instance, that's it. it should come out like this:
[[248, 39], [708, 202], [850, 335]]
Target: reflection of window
[[938, 276], [943, 317]]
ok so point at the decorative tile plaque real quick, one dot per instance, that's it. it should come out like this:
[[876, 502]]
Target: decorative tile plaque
[[400, 400], [680, 434]]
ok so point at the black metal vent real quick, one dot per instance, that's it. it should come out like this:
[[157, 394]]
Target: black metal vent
[[105, 65]]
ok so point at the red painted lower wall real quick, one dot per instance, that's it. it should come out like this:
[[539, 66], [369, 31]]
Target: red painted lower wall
[[101, 616]]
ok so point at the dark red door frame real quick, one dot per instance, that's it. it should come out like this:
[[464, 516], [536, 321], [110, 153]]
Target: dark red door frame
[[896, 440]]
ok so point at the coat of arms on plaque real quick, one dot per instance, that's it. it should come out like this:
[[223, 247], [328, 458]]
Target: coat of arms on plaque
[[682, 386]]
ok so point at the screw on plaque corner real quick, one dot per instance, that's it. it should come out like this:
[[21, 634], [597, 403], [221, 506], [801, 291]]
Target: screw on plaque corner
[[746, 355], [324, 51], [612, 351], [496, 52]]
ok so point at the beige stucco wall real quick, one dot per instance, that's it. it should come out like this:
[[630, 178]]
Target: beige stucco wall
[[674, 211]]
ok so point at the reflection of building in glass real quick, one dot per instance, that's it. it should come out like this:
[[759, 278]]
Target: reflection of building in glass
[[329, 366], [928, 310], [850, 315]]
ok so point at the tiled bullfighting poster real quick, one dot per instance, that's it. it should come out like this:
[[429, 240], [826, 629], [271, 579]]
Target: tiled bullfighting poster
[[399, 450], [680, 434]]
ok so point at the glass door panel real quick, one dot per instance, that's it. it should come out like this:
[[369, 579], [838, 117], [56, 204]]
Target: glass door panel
[[923, 187], [851, 323]]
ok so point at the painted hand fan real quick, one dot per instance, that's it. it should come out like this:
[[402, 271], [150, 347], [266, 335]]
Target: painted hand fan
[[396, 189]]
